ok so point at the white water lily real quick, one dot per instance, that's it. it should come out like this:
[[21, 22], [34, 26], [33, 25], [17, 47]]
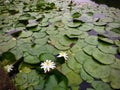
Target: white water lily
[[63, 54], [48, 65], [9, 68]]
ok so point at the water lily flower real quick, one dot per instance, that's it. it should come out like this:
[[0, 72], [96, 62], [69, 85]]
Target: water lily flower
[[9, 68], [47, 65], [63, 54]]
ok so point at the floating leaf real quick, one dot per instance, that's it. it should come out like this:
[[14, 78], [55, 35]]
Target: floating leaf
[[25, 34], [31, 59], [8, 56], [93, 40], [96, 70], [25, 80], [99, 85], [115, 78], [86, 27], [70, 74], [81, 57], [103, 58], [106, 40], [85, 76], [76, 15], [8, 45], [116, 64], [42, 41], [46, 56], [89, 49], [51, 83], [25, 17], [32, 23], [74, 25], [74, 65], [99, 29], [107, 48]]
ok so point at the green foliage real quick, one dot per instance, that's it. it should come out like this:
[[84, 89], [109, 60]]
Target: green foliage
[[38, 30]]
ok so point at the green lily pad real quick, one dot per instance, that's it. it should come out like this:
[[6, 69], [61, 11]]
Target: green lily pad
[[41, 41], [8, 56], [25, 17], [117, 42], [106, 40], [74, 25], [76, 15], [17, 52], [74, 65], [85, 76], [32, 23], [99, 29], [7, 45], [39, 34], [99, 85], [93, 40], [89, 49], [31, 59], [79, 45], [116, 64], [86, 27], [96, 70], [26, 80], [103, 58], [106, 48], [81, 57], [25, 34], [66, 41], [70, 74], [115, 78], [51, 83], [73, 33], [46, 56]]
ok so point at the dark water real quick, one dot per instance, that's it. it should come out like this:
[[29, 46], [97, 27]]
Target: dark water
[[110, 3]]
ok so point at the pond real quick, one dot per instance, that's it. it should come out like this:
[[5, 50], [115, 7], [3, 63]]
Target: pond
[[60, 44]]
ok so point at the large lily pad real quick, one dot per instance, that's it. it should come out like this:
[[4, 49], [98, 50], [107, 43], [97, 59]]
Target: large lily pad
[[74, 65], [70, 74], [96, 69], [81, 57], [85, 76], [107, 48], [116, 64], [46, 56], [89, 49], [99, 85], [26, 80], [31, 59], [115, 78], [103, 58], [93, 40]]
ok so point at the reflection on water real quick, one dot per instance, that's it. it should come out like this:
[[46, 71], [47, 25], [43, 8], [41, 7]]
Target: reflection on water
[[111, 3]]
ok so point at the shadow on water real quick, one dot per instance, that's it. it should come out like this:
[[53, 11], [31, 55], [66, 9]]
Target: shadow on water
[[110, 3]]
